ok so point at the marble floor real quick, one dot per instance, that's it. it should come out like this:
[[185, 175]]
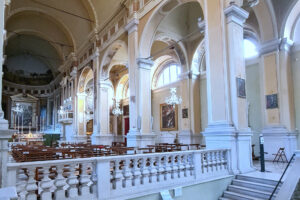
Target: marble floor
[[273, 170]]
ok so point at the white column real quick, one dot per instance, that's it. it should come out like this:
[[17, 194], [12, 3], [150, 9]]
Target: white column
[[96, 67], [104, 136], [276, 75], [227, 116], [5, 134], [140, 132]]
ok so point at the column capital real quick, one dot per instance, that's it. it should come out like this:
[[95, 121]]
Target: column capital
[[276, 45], [201, 24], [236, 14], [132, 24], [145, 63], [286, 44], [104, 83]]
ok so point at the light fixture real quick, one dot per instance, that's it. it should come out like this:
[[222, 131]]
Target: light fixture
[[173, 99], [116, 110]]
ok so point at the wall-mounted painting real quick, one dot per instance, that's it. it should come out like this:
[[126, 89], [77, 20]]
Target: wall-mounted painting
[[241, 87], [272, 101], [168, 117], [185, 113]]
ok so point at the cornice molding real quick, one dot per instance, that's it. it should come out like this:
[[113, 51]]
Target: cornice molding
[[236, 14]]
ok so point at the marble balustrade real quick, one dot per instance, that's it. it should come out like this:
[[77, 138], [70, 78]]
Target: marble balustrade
[[116, 177]]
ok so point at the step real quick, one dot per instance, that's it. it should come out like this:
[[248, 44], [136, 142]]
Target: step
[[256, 180], [237, 196], [254, 185], [249, 192], [223, 198]]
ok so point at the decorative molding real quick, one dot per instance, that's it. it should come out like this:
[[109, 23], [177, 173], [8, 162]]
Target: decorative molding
[[201, 25], [132, 24], [236, 14], [276, 45], [145, 63]]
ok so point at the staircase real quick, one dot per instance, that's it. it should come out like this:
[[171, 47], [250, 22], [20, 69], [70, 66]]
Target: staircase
[[249, 188]]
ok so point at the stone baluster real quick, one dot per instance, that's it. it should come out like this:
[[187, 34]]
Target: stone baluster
[[94, 179], [153, 170], [46, 184], [168, 168], [31, 186], [145, 172], [161, 168], [136, 173], [175, 167], [84, 189], [72, 181], [127, 173], [181, 166], [210, 162], [118, 176], [192, 165], [21, 183], [60, 183], [218, 163]]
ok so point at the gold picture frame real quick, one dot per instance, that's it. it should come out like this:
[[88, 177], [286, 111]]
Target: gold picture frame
[[168, 117]]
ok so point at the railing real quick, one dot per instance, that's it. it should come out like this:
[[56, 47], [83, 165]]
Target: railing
[[276, 187], [116, 177], [66, 117]]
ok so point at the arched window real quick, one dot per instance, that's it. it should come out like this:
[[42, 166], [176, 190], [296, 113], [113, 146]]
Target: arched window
[[250, 50], [168, 75]]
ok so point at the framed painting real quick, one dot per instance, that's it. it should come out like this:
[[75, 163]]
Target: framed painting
[[185, 113], [241, 87], [272, 101], [168, 117]]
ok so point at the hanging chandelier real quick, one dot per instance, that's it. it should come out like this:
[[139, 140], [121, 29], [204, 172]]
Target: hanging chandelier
[[116, 110], [173, 99]]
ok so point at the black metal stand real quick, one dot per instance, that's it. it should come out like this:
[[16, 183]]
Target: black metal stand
[[262, 154]]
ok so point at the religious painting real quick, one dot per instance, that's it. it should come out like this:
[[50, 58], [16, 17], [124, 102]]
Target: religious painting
[[27, 114], [241, 87], [185, 113], [168, 117], [272, 101]]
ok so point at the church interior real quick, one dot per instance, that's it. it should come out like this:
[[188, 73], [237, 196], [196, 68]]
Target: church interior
[[150, 99]]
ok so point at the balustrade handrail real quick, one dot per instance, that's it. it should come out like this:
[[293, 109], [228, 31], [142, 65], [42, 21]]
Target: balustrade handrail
[[49, 162], [116, 177]]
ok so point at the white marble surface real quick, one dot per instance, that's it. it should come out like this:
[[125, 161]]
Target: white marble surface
[[273, 170]]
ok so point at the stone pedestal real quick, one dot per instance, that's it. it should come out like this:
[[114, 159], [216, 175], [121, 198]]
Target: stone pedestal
[[4, 136], [276, 137], [140, 140], [106, 139], [224, 136]]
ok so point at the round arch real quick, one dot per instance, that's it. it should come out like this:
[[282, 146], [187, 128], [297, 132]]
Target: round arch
[[290, 21], [148, 34], [48, 16], [108, 56]]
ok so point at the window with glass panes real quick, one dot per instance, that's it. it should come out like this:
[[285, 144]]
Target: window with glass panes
[[168, 75]]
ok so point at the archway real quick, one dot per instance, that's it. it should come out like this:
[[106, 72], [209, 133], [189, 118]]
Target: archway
[[85, 97]]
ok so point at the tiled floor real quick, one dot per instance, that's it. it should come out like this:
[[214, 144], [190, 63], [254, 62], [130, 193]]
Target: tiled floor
[[273, 170]]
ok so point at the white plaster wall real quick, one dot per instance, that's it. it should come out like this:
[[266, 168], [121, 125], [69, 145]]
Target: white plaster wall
[[158, 97], [296, 81], [253, 98]]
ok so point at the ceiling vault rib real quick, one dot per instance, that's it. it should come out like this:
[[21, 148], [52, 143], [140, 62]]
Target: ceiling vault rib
[[50, 41], [63, 11]]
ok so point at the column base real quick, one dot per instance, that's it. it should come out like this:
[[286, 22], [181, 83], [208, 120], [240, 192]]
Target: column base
[[184, 137], [79, 138], [276, 137], [136, 139], [5, 135], [106, 139], [225, 136]]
